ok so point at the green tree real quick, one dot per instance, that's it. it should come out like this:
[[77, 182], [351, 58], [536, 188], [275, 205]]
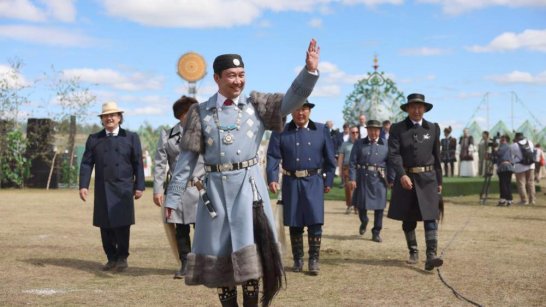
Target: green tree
[[13, 91], [15, 166], [75, 99]]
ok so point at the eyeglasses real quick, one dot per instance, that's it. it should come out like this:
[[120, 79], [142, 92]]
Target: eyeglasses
[[354, 132]]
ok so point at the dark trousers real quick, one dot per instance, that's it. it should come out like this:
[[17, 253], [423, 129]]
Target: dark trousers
[[411, 225], [505, 185], [183, 240], [115, 242], [377, 218], [312, 230], [449, 166]]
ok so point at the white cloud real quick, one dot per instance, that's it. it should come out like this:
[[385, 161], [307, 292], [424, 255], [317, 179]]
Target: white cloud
[[133, 81], [534, 40], [372, 3], [328, 90], [21, 9], [315, 23], [519, 77], [423, 51], [191, 14], [62, 10], [455, 7], [13, 79], [45, 35], [146, 111], [215, 13], [332, 79], [330, 73]]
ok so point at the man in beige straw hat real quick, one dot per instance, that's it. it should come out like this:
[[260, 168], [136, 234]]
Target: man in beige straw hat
[[116, 155]]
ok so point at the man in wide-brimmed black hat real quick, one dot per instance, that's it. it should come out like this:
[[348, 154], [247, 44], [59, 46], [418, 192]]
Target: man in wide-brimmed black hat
[[414, 154]]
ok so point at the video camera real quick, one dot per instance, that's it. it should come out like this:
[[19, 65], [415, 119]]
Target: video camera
[[494, 142], [492, 146]]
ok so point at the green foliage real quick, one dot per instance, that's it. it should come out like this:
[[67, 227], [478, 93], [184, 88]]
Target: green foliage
[[69, 173], [149, 137], [15, 167]]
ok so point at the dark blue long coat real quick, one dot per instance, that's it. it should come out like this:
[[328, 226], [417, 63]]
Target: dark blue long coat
[[371, 185], [118, 173], [302, 149]]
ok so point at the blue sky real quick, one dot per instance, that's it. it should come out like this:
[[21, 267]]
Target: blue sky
[[471, 58]]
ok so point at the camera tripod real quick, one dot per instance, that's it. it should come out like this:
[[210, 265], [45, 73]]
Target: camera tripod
[[486, 180]]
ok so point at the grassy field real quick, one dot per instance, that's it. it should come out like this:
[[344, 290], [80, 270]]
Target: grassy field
[[495, 256]]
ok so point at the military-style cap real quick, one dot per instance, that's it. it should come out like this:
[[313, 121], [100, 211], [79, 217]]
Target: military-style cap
[[416, 98], [308, 104], [372, 123], [226, 61]]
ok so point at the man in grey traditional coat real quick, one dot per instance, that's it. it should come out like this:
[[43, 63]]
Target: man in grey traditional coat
[[116, 155], [306, 151], [414, 155], [227, 130], [368, 175], [177, 221]]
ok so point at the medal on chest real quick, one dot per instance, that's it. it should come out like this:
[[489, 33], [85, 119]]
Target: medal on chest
[[228, 137]]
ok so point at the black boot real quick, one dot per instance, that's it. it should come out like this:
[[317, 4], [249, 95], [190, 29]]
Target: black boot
[[314, 253], [184, 247], [251, 290], [433, 261], [296, 240], [376, 237], [228, 296], [411, 240]]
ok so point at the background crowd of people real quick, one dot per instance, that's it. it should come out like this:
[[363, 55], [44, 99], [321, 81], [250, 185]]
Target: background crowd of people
[[464, 157]]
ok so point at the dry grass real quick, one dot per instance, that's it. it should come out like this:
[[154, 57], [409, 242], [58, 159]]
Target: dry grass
[[51, 255]]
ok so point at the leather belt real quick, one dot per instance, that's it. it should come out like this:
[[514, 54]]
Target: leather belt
[[370, 167], [419, 169], [226, 167], [302, 173]]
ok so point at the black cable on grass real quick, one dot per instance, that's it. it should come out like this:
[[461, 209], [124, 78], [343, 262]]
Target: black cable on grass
[[455, 292]]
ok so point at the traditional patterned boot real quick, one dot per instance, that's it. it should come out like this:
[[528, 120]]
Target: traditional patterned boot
[[411, 240], [251, 290], [228, 296], [314, 253], [296, 241], [433, 261]]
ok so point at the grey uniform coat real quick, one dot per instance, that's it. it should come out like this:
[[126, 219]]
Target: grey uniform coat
[[224, 252], [299, 149], [168, 151], [119, 172], [371, 185], [411, 146]]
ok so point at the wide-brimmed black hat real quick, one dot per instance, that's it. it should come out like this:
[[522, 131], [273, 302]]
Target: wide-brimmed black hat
[[416, 98], [372, 123]]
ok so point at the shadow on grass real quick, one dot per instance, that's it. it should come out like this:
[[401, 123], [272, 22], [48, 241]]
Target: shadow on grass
[[95, 267], [373, 262], [397, 263], [351, 237]]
